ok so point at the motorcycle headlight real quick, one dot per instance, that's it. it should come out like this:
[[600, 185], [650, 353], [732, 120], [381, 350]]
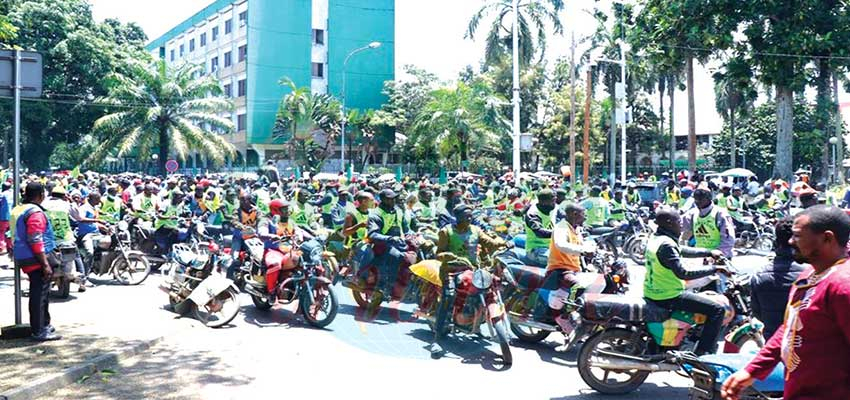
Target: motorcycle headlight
[[482, 279], [123, 225]]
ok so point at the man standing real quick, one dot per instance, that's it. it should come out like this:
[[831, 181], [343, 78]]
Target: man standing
[[814, 341], [710, 226], [33, 240]]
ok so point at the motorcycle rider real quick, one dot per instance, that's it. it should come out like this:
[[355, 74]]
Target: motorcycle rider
[[328, 201], [110, 205], [735, 204], [710, 226], [303, 212], [671, 194], [457, 250], [386, 231], [596, 208], [665, 277], [166, 226], [632, 196], [424, 209], [145, 204], [58, 211], [244, 222], [89, 224], [453, 198], [617, 207], [539, 221]]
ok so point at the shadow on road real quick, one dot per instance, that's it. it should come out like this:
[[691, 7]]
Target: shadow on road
[[547, 352], [288, 315], [645, 391], [469, 348]]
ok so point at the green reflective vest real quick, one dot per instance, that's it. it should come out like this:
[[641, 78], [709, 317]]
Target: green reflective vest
[[721, 201], [303, 214], [464, 245], [660, 282], [391, 219], [532, 241], [706, 233], [110, 209], [59, 214], [326, 209], [597, 211], [489, 199], [359, 218], [734, 206], [618, 215], [170, 211]]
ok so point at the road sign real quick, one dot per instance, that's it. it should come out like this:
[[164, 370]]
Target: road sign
[[31, 73], [171, 165]]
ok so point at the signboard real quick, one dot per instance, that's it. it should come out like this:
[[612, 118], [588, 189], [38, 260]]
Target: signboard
[[526, 142], [171, 166], [31, 73]]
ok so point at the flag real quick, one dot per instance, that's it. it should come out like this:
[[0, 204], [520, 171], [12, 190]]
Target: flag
[[75, 172]]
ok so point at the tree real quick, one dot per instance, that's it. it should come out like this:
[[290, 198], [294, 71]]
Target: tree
[[169, 109], [459, 118], [734, 94], [534, 15], [309, 123], [8, 32]]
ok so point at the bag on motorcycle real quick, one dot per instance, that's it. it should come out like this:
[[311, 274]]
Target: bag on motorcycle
[[616, 307]]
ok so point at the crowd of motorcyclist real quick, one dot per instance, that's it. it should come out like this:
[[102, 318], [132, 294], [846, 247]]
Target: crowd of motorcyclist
[[372, 218]]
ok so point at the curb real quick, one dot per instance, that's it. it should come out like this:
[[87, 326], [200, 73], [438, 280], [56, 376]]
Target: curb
[[70, 375]]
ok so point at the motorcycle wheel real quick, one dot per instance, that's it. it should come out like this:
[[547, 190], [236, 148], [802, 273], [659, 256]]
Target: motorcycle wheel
[[133, 273], [504, 340], [324, 303], [331, 268], [261, 303], [220, 310], [637, 250], [619, 340], [528, 334], [746, 343], [764, 243]]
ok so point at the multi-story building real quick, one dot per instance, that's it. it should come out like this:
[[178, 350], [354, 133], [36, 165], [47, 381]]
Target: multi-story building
[[252, 44]]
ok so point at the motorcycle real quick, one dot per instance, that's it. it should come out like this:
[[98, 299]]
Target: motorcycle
[[155, 247], [709, 372], [761, 237], [636, 335], [529, 303], [194, 285], [476, 300], [289, 273], [64, 271], [113, 255], [369, 285]]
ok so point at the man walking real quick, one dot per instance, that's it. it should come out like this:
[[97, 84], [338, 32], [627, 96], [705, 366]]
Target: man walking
[[32, 241]]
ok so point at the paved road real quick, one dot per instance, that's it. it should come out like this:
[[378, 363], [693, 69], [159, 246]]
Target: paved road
[[274, 353]]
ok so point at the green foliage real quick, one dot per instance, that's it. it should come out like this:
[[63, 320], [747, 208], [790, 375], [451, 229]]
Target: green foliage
[[70, 156], [157, 107], [309, 123], [8, 32]]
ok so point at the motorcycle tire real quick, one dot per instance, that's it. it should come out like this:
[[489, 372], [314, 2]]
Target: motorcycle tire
[[261, 303], [765, 242], [743, 341], [604, 385], [362, 298], [328, 303], [504, 340], [228, 301], [138, 269], [637, 250], [533, 336]]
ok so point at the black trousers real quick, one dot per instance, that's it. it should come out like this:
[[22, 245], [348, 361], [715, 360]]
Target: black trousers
[[38, 301], [714, 312]]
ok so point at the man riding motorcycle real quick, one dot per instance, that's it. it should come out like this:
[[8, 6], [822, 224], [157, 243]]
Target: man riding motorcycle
[[244, 221], [58, 211], [539, 220], [597, 209], [110, 205], [457, 250], [386, 231], [146, 203], [303, 212], [665, 277], [710, 226], [166, 226]]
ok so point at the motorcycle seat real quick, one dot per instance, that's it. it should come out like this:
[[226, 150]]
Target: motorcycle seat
[[601, 230], [527, 276], [623, 308]]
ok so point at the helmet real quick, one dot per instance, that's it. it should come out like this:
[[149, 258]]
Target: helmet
[[276, 205]]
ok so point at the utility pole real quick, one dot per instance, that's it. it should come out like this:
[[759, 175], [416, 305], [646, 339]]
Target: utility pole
[[839, 132], [573, 110], [516, 153], [625, 117], [585, 148]]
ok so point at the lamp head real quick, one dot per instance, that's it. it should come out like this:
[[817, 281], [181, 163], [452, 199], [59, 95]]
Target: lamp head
[[374, 45]]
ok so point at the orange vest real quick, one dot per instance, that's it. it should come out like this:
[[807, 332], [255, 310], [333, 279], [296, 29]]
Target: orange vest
[[560, 260]]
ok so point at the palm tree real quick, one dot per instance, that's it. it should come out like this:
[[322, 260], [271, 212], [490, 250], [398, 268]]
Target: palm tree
[[459, 119], [734, 94], [169, 109], [533, 18], [302, 116]]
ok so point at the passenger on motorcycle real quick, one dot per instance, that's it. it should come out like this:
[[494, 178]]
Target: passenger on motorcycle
[[424, 209], [166, 226], [457, 250], [303, 212], [110, 205], [146, 203], [244, 222], [665, 277], [565, 251], [539, 222], [632, 196], [58, 211], [618, 208], [597, 209], [710, 226], [386, 231], [328, 201]]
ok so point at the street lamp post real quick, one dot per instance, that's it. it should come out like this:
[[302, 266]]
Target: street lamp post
[[373, 45], [621, 105], [515, 99], [833, 141]]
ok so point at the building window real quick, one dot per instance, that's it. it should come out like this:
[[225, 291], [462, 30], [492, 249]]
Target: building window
[[214, 33], [228, 26], [182, 50], [243, 52], [242, 89], [228, 59], [203, 39], [318, 36], [241, 122], [318, 70], [228, 90], [172, 54], [191, 45], [243, 18], [214, 64]]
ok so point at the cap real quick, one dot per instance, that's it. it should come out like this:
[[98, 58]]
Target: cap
[[388, 194], [58, 189]]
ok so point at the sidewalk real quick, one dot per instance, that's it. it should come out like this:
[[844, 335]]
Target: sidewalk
[[109, 318]]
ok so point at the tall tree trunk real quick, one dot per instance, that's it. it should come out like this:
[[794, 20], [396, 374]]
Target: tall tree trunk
[[585, 146], [838, 129], [823, 112], [671, 91], [661, 90], [733, 138], [784, 133], [692, 123], [163, 149]]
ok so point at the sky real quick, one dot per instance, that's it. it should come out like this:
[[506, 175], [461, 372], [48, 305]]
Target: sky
[[429, 34]]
